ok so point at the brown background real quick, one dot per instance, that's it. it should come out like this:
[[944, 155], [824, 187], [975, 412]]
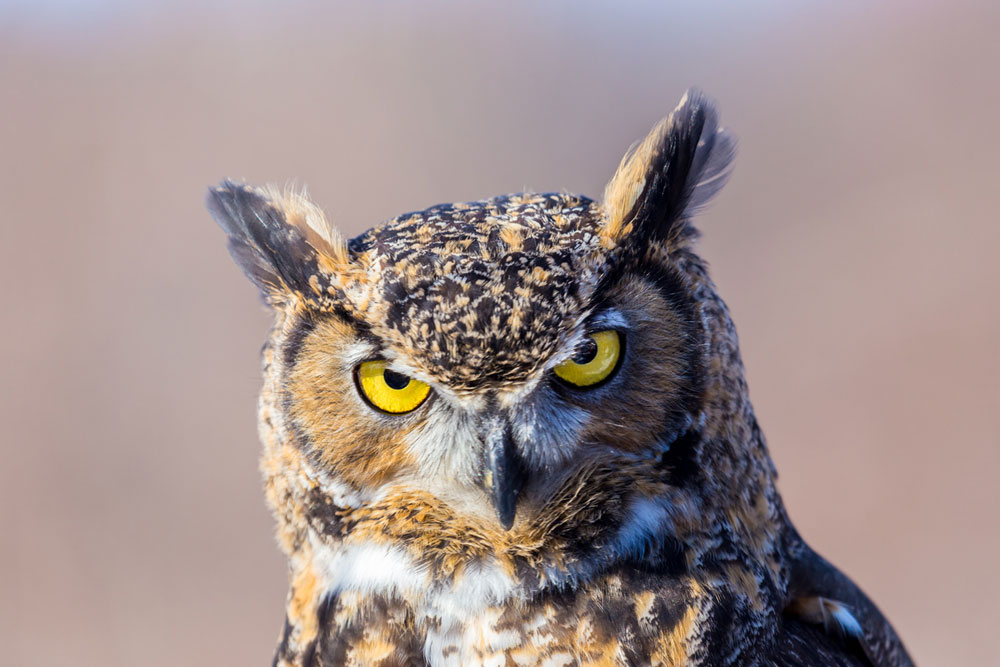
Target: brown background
[[856, 244]]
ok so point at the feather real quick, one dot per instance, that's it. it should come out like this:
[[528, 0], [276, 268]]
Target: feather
[[670, 175], [281, 240]]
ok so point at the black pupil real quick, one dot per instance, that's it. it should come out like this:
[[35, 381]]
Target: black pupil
[[586, 353], [395, 380]]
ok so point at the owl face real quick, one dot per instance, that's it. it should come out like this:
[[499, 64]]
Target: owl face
[[487, 362], [490, 357]]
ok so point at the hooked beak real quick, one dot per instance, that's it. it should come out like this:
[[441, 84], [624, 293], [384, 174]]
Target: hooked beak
[[503, 474]]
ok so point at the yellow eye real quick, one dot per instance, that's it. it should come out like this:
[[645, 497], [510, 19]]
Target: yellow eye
[[594, 362], [388, 391]]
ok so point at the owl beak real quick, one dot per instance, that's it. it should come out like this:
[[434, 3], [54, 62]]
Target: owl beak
[[503, 474]]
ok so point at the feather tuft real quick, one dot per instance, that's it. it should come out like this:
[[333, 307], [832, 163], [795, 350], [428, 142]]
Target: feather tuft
[[671, 174]]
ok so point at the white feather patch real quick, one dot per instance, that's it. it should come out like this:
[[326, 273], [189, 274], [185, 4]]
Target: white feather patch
[[370, 568]]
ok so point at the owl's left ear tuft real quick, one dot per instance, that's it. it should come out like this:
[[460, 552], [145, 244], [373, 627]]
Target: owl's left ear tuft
[[280, 239], [662, 181]]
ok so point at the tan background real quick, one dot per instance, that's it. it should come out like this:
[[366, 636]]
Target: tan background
[[856, 244]]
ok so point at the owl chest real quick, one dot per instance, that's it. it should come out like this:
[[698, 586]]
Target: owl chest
[[384, 632], [533, 634], [610, 624], [377, 606]]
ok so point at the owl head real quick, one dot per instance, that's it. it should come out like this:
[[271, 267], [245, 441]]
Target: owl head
[[534, 376]]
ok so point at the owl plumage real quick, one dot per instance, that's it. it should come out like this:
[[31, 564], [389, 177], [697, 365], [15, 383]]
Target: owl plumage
[[494, 512]]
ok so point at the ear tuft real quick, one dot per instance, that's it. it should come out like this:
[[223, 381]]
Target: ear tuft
[[310, 220], [281, 240], [661, 182]]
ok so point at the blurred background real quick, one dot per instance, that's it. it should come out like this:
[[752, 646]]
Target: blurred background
[[856, 244]]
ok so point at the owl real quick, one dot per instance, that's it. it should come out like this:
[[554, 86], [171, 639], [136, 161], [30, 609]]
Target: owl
[[517, 432]]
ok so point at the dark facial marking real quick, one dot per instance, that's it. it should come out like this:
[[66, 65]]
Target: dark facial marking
[[678, 462], [293, 344], [674, 290], [307, 324]]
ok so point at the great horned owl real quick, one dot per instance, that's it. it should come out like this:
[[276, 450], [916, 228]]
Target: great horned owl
[[517, 432]]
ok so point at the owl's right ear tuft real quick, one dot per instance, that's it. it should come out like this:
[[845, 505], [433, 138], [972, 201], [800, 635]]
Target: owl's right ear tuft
[[664, 179], [281, 240]]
